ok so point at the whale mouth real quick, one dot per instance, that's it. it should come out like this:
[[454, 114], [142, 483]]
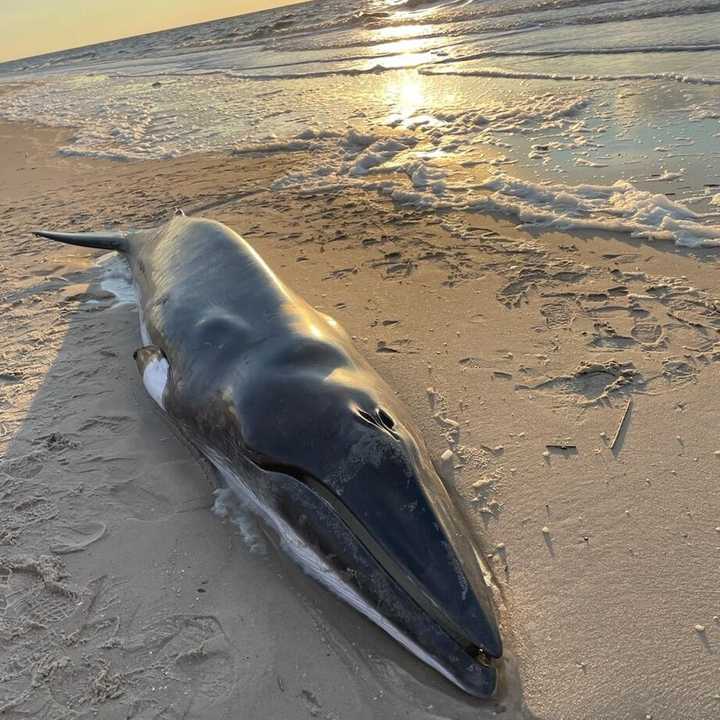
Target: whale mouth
[[394, 570]]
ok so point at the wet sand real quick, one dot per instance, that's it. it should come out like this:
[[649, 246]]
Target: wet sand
[[573, 377]]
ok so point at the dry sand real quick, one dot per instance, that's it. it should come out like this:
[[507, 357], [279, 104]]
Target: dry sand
[[123, 596]]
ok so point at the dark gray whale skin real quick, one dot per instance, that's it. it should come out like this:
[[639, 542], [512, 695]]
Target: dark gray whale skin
[[274, 391]]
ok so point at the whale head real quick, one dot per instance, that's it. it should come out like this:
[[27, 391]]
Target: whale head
[[347, 471]]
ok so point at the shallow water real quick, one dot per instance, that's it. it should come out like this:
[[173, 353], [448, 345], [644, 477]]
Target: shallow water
[[547, 94]]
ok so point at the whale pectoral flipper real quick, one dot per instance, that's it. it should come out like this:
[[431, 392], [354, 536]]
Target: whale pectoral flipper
[[103, 240], [154, 370]]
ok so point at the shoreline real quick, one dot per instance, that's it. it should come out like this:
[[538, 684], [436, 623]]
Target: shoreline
[[515, 350], [572, 163]]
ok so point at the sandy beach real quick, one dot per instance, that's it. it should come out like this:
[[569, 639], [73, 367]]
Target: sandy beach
[[572, 376]]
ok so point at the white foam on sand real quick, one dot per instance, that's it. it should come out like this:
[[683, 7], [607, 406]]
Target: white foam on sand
[[117, 278], [229, 505], [619, 207], [494, 72]]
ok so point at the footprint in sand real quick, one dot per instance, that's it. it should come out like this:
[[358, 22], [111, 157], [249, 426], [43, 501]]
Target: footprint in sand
[[557, 314], [589, 383], [647, 333], [677, 370], [10, 378], [606, 337], [74, 538], [4, 576], [24, 467]]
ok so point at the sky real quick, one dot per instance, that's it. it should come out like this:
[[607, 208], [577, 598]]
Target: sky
[[34, 27]]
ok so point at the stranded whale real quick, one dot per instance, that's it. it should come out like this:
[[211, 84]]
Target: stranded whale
[[274, 393]]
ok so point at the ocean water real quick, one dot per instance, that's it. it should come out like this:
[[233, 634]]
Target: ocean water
[[558, 113]]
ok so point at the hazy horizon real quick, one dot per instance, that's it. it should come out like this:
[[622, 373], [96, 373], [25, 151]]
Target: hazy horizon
[[45, 26]]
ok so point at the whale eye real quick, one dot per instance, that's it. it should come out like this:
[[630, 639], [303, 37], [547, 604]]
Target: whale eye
[[385, 419]]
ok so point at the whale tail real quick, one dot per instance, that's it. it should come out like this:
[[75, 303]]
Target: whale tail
[[104, 240]]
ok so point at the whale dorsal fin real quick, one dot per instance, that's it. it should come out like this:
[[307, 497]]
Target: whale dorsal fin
[[104, 240]]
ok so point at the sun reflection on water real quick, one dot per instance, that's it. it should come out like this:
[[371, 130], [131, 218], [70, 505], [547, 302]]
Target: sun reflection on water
[[405, 94], [411, 34], [414, 99]]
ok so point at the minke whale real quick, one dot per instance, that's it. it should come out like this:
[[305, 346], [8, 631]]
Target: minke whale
[[275, 395]]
